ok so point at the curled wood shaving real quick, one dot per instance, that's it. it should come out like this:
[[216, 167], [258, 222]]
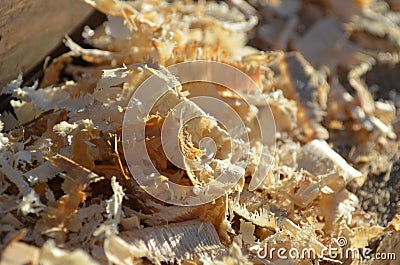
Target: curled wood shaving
[[319, 159], [185, 239]]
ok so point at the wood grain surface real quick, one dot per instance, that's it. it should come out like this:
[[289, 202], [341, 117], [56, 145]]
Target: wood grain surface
[[29, 30]]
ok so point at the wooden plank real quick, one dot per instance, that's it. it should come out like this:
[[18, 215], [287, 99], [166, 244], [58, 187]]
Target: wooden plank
[[29, 30]]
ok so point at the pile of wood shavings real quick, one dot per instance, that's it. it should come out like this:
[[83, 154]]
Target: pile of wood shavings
[[67, 196]]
